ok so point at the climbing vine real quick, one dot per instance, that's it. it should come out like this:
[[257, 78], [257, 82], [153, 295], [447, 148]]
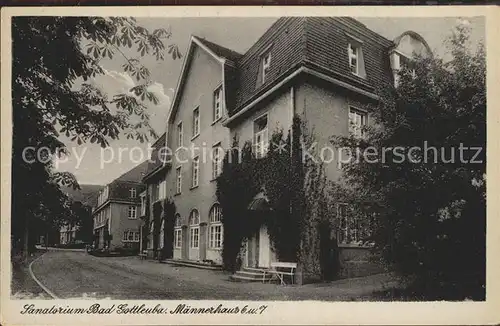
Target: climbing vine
[[294, 189], [145, 227], [157, 212], [169, 211], [236, 187]]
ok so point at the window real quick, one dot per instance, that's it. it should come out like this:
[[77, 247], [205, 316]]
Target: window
[[357, 122], [178, 180], [353, 51], [348, 224], [162, 190], [218, 103], [155, 192], [194, 229], [131, 236], [195, 172], [265, 65], [133, 192], [143, 205], [132, 212], [260, 138], [177, 232], [180, 135], [215, 230], [217, 156], [196, 122]]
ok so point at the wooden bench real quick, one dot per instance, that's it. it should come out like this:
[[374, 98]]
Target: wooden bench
[[143, 254], [280, 269]]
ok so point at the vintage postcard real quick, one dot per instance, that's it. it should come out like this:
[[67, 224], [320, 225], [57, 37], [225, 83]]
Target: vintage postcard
[[250, 165]]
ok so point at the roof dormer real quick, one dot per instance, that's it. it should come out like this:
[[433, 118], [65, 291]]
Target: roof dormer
[[407, 47]]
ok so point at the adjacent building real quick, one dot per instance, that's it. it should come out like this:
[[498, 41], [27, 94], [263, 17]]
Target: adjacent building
[[116, 213], [322, 69], [83, 200]]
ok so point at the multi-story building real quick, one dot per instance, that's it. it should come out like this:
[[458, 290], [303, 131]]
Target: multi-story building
[[322, 69], [116, 213], [85, 197]]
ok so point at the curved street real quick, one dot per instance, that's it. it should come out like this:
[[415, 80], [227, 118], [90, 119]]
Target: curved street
[[72, 274]]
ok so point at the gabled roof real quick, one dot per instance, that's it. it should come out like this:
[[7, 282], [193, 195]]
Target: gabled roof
[[211, 49], [135, 174], [317, 42], [85, 194], [298, 44], [219, 50], [156, 163]]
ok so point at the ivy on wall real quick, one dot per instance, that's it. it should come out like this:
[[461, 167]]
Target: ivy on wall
[[295, 190], [169, 211], [236, 187], [157, 217], [145, 227]]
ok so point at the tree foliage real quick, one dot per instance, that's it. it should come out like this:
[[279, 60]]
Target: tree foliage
[[54, 58], [431, 206]]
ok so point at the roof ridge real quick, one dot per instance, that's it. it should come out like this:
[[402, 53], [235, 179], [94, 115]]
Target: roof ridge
[[211, 45]]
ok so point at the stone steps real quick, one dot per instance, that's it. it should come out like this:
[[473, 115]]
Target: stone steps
[[191, 263], [250, 274]]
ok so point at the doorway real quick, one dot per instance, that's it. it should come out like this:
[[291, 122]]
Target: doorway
[[253, 245]]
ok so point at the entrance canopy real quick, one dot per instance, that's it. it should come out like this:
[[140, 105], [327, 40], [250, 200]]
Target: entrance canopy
[[259, 203]]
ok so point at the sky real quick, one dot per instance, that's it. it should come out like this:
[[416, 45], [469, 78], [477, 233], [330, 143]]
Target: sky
[[93, 165]]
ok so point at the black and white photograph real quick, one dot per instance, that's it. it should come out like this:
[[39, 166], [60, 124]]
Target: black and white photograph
[[246, 158]]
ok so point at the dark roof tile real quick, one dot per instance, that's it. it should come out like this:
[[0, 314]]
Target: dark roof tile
[[317, 42], [220, 50]]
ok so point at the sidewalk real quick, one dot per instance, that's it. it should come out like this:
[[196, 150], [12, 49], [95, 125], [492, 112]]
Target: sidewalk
[[22, 284], [345, 290]]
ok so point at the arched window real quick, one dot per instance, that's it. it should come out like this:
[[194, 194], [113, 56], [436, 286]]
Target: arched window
[[194, 229], [216, 229], [177, 231]]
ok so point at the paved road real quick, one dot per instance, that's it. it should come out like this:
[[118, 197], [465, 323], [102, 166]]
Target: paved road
[[70, 274], [76, 274]]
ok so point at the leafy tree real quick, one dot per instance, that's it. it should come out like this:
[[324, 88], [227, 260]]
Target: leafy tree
[[431, 207], [82, 219], [53, 60]]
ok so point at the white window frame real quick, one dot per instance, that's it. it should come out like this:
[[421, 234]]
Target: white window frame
[[349, 230], [162, 190], [217, 103], [265, 64], [177, 238], [196, 122], [194, 229], [180, 135], [132, 208], [178, 180], [354, 129], [143, 205], [215, 228], [195, 172], [217, 160], [261, 147], [353, 52], [177, 232], [130, 236], [133, 192]]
